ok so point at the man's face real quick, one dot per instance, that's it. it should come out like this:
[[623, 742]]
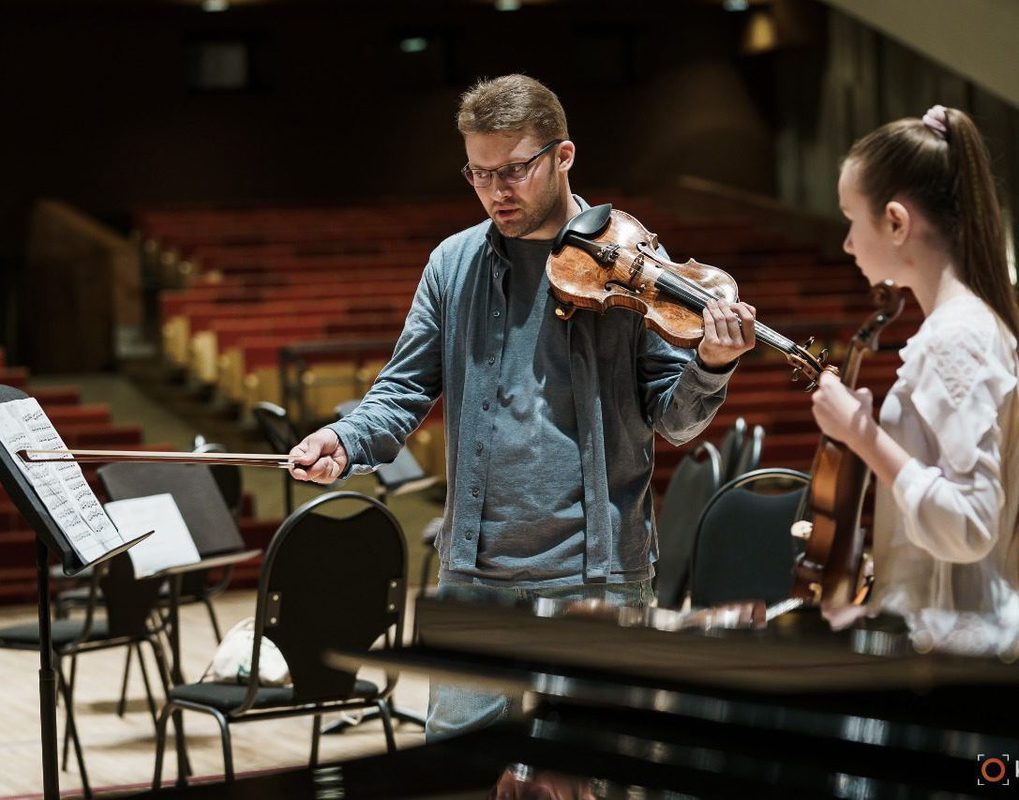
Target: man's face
[[534, 208]]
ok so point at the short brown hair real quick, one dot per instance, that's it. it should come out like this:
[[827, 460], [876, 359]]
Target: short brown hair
[[512, 103]]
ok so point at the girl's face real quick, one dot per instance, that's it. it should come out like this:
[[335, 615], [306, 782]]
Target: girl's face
[[869, 239]]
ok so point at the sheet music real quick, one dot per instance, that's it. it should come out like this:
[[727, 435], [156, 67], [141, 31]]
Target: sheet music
[[61, 486], [170, 545]]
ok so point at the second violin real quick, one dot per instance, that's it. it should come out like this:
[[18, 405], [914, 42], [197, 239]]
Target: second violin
[[604, 258]]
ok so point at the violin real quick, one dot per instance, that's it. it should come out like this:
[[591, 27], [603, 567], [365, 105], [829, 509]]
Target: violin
[[604, 258], [829, 568]]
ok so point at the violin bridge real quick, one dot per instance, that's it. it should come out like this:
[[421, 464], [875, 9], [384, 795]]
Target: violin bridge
[[636, 268]]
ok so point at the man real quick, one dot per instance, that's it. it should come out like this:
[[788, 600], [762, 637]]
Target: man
[[549, 424]]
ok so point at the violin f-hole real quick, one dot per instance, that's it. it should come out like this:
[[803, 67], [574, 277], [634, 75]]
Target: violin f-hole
[[627, 289]]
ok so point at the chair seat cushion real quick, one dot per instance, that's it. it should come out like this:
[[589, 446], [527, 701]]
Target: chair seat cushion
[[226, 697], [64, 631]]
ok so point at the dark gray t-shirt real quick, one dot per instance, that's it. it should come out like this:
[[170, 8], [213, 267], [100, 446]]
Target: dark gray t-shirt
[[532, 520]]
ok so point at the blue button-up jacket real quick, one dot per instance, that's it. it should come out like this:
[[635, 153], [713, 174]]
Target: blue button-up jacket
[[626, 381]]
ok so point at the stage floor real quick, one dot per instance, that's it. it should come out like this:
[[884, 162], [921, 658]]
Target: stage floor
[[120, 751]]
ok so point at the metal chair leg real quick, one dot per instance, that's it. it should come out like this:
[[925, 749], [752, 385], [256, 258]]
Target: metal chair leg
[[72, 729], [163, 669], [157, 777], [67, 711], [145, 680], [183, 767], [316, 736], [387, 724], [207, 602], [228, 750], [122, 703]]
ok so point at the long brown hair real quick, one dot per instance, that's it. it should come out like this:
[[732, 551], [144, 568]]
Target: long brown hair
[[949, 177]]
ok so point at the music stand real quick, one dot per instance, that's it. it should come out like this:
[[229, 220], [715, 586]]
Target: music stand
[[49, 538]]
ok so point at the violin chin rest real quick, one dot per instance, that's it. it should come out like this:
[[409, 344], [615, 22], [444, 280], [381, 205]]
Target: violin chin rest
[[587, 224]]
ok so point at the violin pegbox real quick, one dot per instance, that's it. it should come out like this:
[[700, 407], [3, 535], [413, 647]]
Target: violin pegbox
[[806, 363]]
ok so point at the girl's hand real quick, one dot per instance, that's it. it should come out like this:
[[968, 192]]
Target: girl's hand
[[845, 415]]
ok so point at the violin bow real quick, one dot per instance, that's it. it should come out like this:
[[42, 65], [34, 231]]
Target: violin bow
[[152, 456]]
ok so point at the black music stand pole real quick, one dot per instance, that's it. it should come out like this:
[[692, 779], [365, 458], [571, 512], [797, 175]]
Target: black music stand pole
[[47, 677]]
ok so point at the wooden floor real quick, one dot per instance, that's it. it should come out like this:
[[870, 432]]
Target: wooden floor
[[120, 751]]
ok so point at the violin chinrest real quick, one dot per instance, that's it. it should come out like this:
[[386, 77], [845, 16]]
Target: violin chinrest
[[586, 224]]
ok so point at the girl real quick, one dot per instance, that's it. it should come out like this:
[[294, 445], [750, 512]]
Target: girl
[[920, 201]]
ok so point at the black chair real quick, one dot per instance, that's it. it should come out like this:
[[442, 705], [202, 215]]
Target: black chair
[[749, 456], [743, 549], [730, 447], [121, 616], [279, 431], [227, 476], [695, 479], [326, 582]]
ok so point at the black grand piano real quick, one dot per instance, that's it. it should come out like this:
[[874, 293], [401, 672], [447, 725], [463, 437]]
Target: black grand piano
[[632, 704]]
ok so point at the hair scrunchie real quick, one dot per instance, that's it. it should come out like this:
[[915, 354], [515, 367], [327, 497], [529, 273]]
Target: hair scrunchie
[[936, 119]]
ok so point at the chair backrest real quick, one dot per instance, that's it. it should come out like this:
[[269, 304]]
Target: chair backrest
[[694, 480], [227, 476], [279, 431], [128, 601], [749, 456], [743, 549], [731, 446], [334, 576], [276, 426], [195, 492]]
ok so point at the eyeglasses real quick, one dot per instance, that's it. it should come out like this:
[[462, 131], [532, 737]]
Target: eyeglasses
[[508, 173]]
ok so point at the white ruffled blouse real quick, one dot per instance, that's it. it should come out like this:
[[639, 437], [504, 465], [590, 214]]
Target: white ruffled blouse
[[946, 536]]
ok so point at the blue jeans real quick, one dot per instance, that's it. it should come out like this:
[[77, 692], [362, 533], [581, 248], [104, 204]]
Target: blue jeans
[[452, 709]]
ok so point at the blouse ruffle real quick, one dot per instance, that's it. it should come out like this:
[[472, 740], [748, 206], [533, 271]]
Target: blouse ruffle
[[957, 385]]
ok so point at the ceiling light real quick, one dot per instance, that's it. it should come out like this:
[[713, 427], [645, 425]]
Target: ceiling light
[[761, 34], [414, 44], [507, 5], [213, 6]]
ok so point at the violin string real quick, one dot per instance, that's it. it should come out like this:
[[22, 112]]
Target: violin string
[[697, 297]]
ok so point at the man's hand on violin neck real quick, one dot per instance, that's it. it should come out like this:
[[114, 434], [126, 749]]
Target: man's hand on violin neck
[[728, 333]]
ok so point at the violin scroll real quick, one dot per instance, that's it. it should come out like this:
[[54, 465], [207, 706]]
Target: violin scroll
[[889, 301]]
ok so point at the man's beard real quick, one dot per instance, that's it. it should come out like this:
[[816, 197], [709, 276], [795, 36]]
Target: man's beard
[[543, 207]]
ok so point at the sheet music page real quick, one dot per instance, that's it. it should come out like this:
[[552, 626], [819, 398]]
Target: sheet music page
[[170, 545], [60, 485]]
